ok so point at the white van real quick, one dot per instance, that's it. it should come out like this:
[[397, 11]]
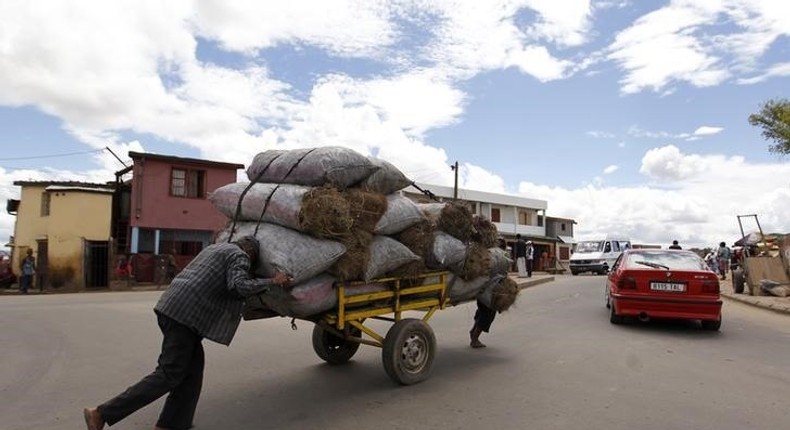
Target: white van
[[597, 256]]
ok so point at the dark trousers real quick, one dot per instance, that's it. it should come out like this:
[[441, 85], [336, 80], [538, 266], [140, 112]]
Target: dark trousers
[[24, 283], [529, 267], [179, 371], [484, 317]]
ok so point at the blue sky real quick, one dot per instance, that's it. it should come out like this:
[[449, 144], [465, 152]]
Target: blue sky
[[628, 116]]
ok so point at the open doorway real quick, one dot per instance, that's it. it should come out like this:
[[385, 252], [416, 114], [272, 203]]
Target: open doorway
[[97, 263]]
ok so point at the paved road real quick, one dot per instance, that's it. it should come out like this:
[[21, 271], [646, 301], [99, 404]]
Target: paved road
[[553, 362]]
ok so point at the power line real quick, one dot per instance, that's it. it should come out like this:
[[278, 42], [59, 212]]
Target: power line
[[34, 157]]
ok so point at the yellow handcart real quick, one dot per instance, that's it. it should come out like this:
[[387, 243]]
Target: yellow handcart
[[408, 347]]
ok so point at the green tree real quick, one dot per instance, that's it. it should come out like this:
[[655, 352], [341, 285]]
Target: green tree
[[774, 119]]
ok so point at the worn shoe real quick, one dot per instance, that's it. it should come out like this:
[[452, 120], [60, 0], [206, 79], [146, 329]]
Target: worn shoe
[[93, 419], [477, 344]]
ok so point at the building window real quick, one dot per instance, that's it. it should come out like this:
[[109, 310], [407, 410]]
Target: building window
[[524, 218], [562, 226], [187, 183], [495, 215], [45, 201]]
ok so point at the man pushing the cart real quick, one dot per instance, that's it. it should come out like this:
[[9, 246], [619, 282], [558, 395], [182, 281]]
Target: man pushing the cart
[[204, 300]]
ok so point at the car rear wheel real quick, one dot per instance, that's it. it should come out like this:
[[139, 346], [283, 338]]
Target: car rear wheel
[[711, 325], [614, 317]]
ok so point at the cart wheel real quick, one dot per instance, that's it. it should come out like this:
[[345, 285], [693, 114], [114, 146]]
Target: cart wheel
[[333, 349], [409, 349]]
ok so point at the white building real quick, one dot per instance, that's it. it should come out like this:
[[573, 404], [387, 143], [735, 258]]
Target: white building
[[514, 215]]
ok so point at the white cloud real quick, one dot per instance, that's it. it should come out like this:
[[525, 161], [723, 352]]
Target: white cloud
[[699, 210], [471, 37], [353, 28], [707, 130], [600, 134], [668, 163], [566, 22], [694, 42], [611, 169], [702, 131], [415, 101], [777, 70], [538, 62]]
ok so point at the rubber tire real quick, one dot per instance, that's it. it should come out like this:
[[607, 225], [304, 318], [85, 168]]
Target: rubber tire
[[613, 317], [711, 325], [332, 349], [574, 273], [414, 337], [738, 281]]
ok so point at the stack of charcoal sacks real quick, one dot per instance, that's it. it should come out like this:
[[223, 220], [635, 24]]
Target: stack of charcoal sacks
[[330, 214]]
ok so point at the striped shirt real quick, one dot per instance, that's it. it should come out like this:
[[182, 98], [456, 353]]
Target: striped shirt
[[208, 295]]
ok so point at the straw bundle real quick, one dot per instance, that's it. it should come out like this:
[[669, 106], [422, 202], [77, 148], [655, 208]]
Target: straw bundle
[[325, 213]]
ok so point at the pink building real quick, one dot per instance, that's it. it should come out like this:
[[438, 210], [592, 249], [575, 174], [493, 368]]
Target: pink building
[[163, 208]]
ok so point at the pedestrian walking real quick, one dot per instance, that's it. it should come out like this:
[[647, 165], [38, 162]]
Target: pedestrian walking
[[723, 254], [27, 268], [204, 300], [530, 258], [520, 255], [710, 260]]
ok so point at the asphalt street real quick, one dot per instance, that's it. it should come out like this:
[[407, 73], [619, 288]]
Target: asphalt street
[[552, 362]]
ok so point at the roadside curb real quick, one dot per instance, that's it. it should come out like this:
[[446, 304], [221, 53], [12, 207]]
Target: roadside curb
[[764, 302], [771, 303], [531, 282]]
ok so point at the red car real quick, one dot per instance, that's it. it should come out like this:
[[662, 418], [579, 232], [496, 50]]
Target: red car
[[658, 283]]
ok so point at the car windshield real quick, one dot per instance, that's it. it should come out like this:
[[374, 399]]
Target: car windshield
[[589, 246], [670, 259]]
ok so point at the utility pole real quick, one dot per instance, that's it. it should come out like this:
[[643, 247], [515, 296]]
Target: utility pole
[[455, 188], [116, 157]]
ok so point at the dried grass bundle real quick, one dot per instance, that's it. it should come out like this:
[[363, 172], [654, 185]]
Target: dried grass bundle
[[418, 238], [504, 295], [366, 208], [476, 264], [351, 266], [325, 214], [456, 220], [409, 273], [486, 232]]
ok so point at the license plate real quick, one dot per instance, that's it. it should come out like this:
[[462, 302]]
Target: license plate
[[667, 286]]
